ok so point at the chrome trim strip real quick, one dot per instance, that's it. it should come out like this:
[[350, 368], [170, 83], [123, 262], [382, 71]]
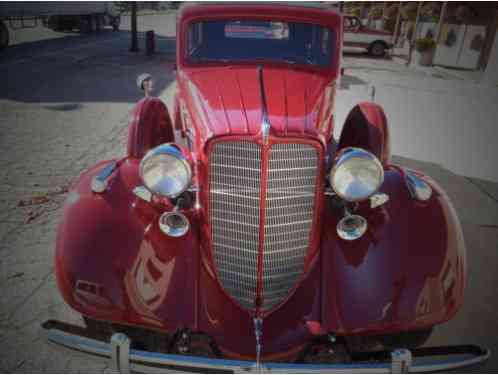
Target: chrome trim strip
[[418, 188], [378, 199], [143, 193], [101, 180], [265, 124], [151, 361]]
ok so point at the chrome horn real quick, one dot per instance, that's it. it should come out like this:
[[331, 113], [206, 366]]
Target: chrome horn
[[174, 224]]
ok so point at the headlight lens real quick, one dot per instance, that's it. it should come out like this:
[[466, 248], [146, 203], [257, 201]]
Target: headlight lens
[[165, 171], [356, 175]]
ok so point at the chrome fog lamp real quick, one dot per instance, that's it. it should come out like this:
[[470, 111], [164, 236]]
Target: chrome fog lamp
[[165, 171], [174, 224], [356, 175], [351, 227]]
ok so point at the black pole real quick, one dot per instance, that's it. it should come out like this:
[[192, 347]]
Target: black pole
[[134, 35]]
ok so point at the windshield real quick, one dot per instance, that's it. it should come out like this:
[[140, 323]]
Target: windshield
[[251, 40]]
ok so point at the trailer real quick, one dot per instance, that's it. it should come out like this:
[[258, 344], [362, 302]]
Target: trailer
[[84, 16]]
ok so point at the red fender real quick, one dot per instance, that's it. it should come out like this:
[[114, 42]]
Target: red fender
[[366, 127], [408, 272], [112, 262], [150, 126]]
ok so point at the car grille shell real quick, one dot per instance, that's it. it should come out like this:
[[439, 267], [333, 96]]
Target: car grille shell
[[261, 213]]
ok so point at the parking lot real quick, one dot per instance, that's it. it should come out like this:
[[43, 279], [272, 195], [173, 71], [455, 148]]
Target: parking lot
[[64, 103]]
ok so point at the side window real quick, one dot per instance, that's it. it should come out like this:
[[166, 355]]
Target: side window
[[322, 45], [354, 23], [347, 23], [350, 23]]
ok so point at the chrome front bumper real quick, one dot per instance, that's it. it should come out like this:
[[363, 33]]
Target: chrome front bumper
[[124, 359]]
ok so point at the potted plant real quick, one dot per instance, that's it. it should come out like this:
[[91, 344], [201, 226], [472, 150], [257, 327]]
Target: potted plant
[[355, 12], [375, 17], [425, 47]]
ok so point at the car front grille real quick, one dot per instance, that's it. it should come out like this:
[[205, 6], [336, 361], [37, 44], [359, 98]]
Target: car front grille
[[260, 235]]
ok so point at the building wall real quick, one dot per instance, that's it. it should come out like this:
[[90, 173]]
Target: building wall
[[490, 76]]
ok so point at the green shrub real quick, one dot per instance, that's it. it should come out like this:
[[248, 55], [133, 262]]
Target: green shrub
[[355, 12], [409, 11], [375, 13], [425, 44]]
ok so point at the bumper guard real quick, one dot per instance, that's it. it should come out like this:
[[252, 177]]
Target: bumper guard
[[124, 359]]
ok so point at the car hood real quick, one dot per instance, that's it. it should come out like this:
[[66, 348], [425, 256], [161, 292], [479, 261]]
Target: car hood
[[228, 101]]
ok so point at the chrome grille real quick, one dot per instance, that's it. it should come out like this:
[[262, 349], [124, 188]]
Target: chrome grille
[[290, 198], [235, 170], [235, 178]]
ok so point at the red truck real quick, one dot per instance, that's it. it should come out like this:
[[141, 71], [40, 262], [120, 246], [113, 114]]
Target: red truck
[[85, 16], [376, 42]]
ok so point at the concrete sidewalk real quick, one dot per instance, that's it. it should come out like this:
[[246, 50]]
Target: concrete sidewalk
[[432, 119], [64, 106]]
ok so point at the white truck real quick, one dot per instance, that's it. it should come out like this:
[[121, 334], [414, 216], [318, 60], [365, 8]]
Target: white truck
[[85, 16]]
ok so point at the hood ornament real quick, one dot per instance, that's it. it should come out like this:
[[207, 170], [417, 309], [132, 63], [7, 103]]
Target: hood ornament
[[265, 123]]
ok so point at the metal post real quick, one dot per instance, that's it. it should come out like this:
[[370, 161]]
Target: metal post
[[383, 16], [134, 34], [397, 26], [489, 37], [414, 34], [440, 24]]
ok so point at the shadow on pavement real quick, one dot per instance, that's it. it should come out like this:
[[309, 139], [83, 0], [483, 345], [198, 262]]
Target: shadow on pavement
[[64, 107], [365, 55], [348, 80], [83, 68], [54, 44]]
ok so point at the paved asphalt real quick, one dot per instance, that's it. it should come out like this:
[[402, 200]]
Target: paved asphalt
[[64, 100]]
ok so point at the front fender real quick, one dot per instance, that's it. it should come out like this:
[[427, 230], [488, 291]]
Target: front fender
[[113, 263], [406, 273], [366, 127]]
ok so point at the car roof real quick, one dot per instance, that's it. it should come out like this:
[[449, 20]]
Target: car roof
[[318, 11], [326, 5]]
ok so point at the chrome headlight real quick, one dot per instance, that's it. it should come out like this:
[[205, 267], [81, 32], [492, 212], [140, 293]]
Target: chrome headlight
[[166, 171], [356, 175]]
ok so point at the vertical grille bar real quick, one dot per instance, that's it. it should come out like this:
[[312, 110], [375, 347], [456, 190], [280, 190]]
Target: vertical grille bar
[[235, 178]]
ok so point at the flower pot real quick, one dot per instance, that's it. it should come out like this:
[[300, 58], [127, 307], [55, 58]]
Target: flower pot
[[426, 57]]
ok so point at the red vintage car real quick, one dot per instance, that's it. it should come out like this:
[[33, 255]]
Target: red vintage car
[[254, 241]]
